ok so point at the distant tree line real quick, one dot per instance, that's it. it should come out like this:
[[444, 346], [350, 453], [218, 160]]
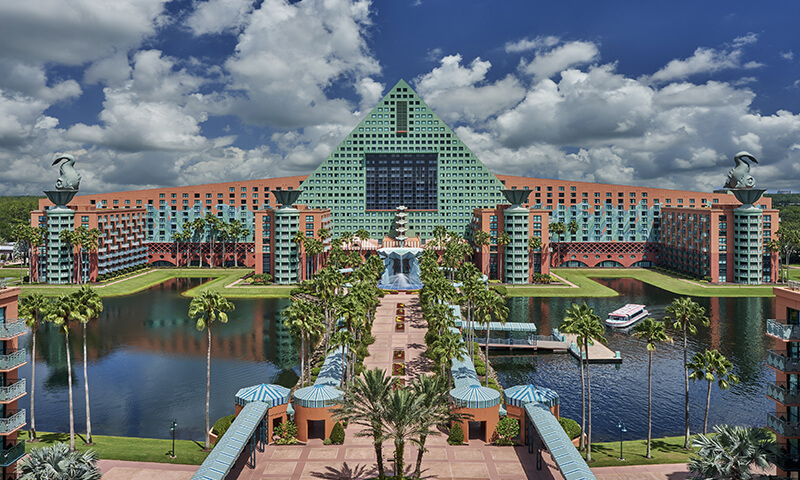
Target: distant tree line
[[15, 210]]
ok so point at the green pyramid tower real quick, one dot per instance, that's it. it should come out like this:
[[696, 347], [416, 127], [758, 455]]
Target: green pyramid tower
[[401, 153]]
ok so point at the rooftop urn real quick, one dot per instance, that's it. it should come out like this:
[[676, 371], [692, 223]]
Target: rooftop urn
[[516, 197], [286, 197]]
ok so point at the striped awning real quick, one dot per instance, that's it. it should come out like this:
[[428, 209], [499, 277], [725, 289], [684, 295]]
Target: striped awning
[[555, 440], [522, 394], [500, 327], [475, 396], [272, 395], [318, 396]]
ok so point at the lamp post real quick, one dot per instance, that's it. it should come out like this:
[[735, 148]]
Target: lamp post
[[622, 430], [172, 429]]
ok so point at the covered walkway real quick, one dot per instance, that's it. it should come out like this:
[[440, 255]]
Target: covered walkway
[[549, 435]]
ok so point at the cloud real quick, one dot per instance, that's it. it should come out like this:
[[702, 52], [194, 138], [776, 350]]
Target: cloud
[[788, 56], [708, 60], [290, 55], [527, 44], [550, 62], [217, 16], [75, 32]]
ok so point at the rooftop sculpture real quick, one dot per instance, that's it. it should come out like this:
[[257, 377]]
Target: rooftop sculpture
[[69, 178], [739, 176]]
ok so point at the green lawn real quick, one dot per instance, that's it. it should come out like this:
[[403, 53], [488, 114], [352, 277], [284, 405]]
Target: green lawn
[[582, 277], [128, 448], [663, 450], [143, 279]]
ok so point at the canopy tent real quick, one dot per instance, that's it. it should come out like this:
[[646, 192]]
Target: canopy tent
[[318, 396], [522, 394], [499, 327], [272, 395], [475, 396]]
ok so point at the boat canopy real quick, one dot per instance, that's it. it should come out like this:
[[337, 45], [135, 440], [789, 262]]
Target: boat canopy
[[627, 311]]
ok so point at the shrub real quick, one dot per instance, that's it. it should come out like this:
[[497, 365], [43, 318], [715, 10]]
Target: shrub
[[507, 429], [327, 441], [480, 370], [501, 289], [571, 427], [456, 436], [315, 371], [221, 426], [337, 434], [287, 431]]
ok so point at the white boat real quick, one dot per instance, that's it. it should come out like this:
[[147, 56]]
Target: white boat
[[626, 316]]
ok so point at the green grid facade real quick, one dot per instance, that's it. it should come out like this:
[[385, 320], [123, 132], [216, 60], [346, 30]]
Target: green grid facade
[[463, 182], [748, 249], [517, 259], [59, 266], [611, 223]]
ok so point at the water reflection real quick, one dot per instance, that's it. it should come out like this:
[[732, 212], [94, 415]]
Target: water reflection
[[147, 363], [736, 329]]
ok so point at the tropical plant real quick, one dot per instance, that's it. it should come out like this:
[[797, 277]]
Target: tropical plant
[[59, 462], [363, 405], [305, 320], [570, 426], [445, 348], [481, 240], [585, 324], [207, 308], [60, 314], [32, 309], [507, 428], [787, 241], [685, 315], [90, 306], [710, 365], [337, 434], [573, 228], [401, 414], [435, 402], [558, 228], [503, 239], [491, 306], [300, 239], [237, 231], [652, 332], [731, 453], [287, 433], [456, 436]]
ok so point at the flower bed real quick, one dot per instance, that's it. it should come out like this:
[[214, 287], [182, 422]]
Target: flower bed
[[400, 327], [399, 383], [399, 355], [398, 369], [400, 318]]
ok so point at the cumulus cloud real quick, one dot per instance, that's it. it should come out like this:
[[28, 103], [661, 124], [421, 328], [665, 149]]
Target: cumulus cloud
[[217, 16], [289, 55], [75, 32], [527, 44], [549, 62], [708, 60]]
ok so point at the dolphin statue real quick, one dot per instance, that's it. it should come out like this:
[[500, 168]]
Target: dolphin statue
[[739, 176], [68, 179]]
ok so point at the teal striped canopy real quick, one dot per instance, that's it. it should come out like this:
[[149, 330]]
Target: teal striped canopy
[[522, 394], [475, 396], [318, 396], [272, 395], [499, 327]]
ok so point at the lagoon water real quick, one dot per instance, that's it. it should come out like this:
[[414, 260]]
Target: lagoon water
[[147, 364]]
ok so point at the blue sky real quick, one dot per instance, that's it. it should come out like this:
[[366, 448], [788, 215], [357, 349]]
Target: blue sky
[[149, 93]]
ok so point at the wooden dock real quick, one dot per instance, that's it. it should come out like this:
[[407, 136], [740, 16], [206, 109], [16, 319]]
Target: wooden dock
[[562, 343], [598, 352]]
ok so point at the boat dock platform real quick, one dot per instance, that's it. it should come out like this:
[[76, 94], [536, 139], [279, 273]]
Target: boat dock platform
[[598, 352], [556, 343]]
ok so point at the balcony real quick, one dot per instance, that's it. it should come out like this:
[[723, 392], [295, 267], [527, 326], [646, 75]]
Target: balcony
[[782, 331], [14, 359], [12, 454], [12, 328], [784, 393], [13, 421], [779, 361]]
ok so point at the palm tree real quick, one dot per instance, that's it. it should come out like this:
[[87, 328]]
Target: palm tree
[[534, 243], [237, 230], [199, 234], [583, 322], [732, 452], [90, 304], [445, 348], [90, 241], [481, 240], [61, 313], [711, 365], [73, 238], [686, 314], [363, 235], [502, 240], [300, 239], [314, 248], [31, 309], [57, 462], [435, 402], [573, 228], [304, 319], [652, 332], [206, 308], [363, 404], [491, 306], [401, 416], [35, 238]]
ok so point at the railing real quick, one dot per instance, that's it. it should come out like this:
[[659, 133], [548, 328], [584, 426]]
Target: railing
[[793, 285], [779, 329], [12, 454], [532, 340], [784, 393], [13, 359], [15, 420], [782, 426], [780, 362], [788, 462], [12, 328]]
